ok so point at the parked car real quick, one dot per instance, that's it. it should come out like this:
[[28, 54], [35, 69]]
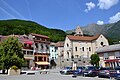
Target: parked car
[[90, 71], [104, 72], [79, 71], [67, 70], [115, 73]]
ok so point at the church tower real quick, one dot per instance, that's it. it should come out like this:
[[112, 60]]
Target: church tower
[[78, 31]]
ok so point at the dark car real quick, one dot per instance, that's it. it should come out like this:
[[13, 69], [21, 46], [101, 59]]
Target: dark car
[[66, 70], [104, 72], [79, 71], [90, 71], [115, 73]]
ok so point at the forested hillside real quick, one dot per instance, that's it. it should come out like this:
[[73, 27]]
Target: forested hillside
[[16, 26]]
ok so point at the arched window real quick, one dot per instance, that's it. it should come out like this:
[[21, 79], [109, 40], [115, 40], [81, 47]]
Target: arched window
[[68, 54], [82, 48], [102, 43], [67, 45]]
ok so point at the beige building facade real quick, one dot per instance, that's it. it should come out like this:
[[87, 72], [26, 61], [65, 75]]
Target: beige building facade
[[109, 55], [83, 46], [80, 46]]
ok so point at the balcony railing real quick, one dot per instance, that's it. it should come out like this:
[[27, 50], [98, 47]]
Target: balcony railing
[[42, 41], [31, 48], [29, 56]]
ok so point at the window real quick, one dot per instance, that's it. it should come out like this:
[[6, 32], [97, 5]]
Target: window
[[52, 50], [24, 52], [67, 59], [25, 45], [36, 45], [40, 58], [67, 45], [55, 50], [106, 56], [82, 48], [89, 48], [76, 56], [101, 43], [29, 52], [117, 54], [68, 54], [47, 47], [35, 58], [44, 58], [75, 48], [41, 46]]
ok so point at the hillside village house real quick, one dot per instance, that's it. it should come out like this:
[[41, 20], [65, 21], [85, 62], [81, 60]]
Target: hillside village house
[[41, 50], [53, 52], [60, 51], [80, 46], [28, 49], [109, 55]]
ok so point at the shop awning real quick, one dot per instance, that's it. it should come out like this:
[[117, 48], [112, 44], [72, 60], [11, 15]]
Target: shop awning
[[112, 60], [42, 63], [28, 42]]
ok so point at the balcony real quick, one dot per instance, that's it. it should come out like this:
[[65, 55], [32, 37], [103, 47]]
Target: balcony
[[29, 57], [31, 48], [40, 41]]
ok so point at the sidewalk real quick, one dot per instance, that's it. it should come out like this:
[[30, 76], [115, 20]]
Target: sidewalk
[[56, 70]]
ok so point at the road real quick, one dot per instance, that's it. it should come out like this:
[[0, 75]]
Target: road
[[53, 75]]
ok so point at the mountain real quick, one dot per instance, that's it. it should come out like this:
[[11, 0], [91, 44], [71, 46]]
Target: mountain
[[16, 26], [110, 31]]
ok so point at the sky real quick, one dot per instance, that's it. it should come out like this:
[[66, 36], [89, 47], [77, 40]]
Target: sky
[[62, 14]]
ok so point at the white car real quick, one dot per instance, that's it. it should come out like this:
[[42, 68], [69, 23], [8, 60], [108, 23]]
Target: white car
[[66, 70]]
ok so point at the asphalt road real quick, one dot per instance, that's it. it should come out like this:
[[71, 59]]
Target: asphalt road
[[53, 75]]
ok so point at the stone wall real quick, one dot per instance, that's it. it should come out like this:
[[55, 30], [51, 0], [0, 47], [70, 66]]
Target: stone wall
[[13, 72]]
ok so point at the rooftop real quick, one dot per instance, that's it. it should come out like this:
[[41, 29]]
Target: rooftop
[[115, 47], [59, 44], [39, 35], [83, 38]]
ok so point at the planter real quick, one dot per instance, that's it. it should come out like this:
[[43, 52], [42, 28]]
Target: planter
[[14, 72]]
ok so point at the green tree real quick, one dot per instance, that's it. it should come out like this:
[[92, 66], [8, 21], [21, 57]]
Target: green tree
[[94, 60], [11, 53]]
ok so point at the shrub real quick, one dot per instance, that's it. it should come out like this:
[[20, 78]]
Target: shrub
[[14, 67]]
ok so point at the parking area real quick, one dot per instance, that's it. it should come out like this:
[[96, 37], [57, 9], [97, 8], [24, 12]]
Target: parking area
[[53, 75]]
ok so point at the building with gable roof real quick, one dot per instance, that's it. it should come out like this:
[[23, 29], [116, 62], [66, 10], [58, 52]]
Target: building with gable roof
[[80, 46]]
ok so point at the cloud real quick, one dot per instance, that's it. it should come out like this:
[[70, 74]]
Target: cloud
[[106, 4], [100, 22], [90, 6], [114, 18]]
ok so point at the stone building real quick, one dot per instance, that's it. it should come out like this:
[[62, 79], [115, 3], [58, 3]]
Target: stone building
[[81, 47]]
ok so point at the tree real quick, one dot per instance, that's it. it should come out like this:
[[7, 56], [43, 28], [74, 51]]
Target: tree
[[11, 53], [94, 60]]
